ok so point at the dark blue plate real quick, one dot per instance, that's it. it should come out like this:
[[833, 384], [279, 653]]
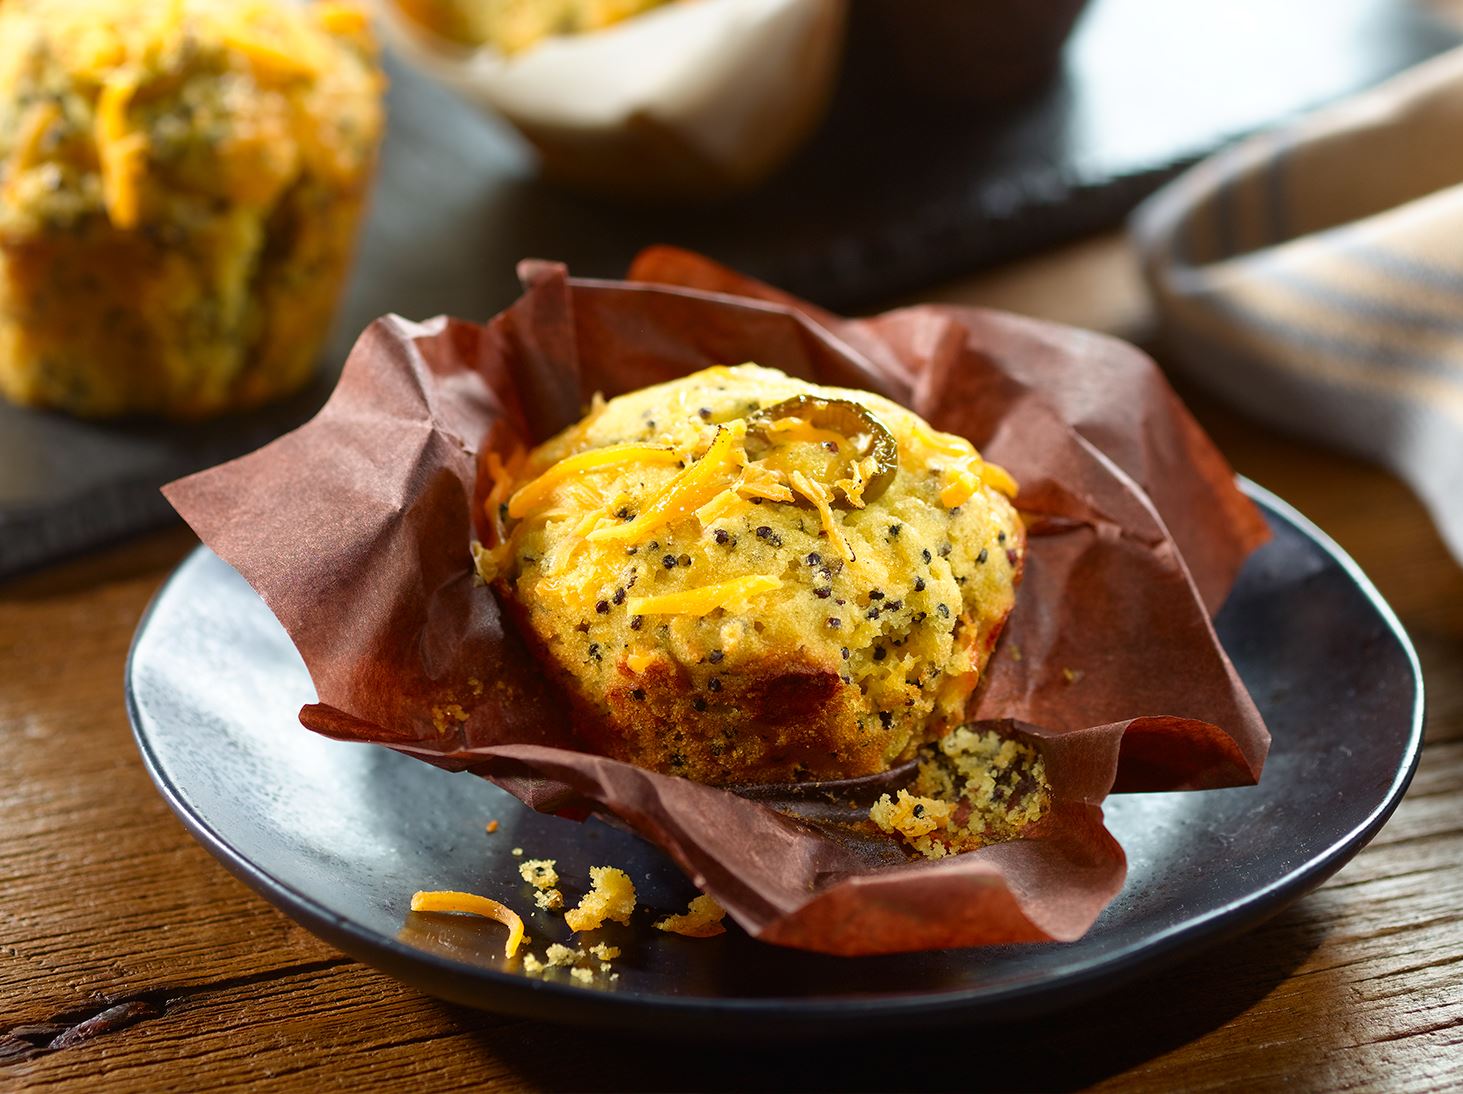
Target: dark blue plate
[[339, 835]]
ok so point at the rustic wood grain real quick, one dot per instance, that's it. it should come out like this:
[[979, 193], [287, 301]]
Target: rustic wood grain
[[129, 960]]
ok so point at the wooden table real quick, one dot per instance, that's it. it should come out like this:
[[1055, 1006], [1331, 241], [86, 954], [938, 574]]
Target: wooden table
[[130, 960]]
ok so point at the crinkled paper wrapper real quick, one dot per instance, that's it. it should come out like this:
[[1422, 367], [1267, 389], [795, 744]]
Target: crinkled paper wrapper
[[356, 528]]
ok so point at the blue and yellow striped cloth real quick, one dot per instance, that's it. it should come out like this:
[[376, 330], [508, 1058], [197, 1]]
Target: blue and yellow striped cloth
[[1313, 276]]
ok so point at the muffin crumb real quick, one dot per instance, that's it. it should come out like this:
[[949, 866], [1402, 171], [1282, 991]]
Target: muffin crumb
[[539, 872], [972, 789], [583, 966], [612, 897], [702, 919]]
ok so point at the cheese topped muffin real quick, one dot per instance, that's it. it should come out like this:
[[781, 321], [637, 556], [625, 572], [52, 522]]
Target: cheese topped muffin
[[180, 184], [511, 26], [741, 577]]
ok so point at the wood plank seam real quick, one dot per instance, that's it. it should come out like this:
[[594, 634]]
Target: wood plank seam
[[78, 1025]]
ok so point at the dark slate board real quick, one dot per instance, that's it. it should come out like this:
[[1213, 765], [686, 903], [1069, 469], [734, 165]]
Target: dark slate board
[[881, 201]]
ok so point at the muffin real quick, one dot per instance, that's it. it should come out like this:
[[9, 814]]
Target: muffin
[[740, 577], [180, 185], [512, 26], [648, 102]]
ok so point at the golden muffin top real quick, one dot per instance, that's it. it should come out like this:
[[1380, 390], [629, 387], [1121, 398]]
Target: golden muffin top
[[140, 109], [512, 26], [740, 521]]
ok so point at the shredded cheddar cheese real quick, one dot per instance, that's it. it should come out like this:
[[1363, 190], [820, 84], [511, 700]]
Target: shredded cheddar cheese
[[960, 483], [169, 26], [638, 660], [489, 562], [968, 473], [757, 481], [512, 26], [271, 61], [341, 18], [121, 152], [968, 476], [819, 497], [538, 492], [502, 476], [683, 495], [796, 429], [998, 478], [946, 444], [706, 599], [28, 142], [587, 524], [853, 486], [472, 904], [726, 504]]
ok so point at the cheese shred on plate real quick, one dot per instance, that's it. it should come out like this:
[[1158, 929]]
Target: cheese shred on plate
[[472, 904]]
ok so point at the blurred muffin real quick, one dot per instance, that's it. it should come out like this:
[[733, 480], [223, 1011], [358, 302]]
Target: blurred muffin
[[741, 577], [685, 103], [180, 185], [511, 26]]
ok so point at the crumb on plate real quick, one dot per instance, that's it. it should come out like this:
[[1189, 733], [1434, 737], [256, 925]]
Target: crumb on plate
[[612, 897], [539, 872], [701, 920]]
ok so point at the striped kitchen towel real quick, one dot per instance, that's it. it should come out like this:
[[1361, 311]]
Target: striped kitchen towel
[[1313, 276]]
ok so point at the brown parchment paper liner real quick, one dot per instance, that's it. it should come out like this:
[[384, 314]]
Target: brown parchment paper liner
[[355, 530]]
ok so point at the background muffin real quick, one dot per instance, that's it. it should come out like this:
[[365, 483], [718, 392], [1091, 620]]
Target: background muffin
[[733, 586], [180, 184], [514, 25], [645, 101]]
